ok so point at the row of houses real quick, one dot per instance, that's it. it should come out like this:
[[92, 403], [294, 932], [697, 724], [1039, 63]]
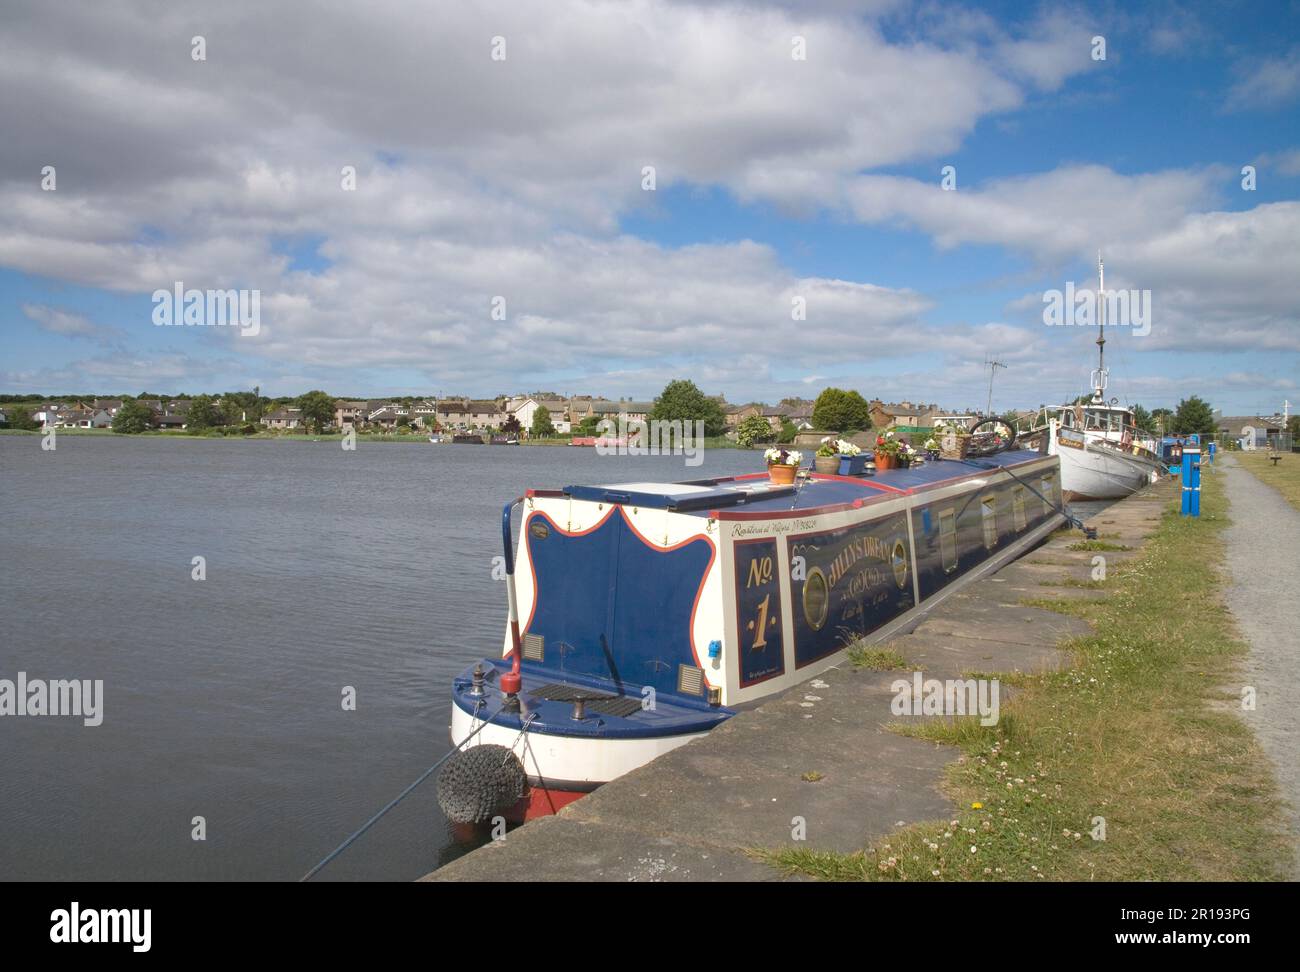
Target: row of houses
[[469, 414], [884, 415], [100, 412]]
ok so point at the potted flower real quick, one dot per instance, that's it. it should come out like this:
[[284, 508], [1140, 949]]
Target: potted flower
[[827, 459], [932, 448], [852, 461], [782, 464], [906, 454], [953, 441], [886, 455]]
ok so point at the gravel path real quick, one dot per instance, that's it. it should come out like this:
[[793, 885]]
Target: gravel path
[[1263, 553]]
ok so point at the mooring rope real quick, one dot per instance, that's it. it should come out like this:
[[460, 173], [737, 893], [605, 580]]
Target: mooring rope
[[398, 799]]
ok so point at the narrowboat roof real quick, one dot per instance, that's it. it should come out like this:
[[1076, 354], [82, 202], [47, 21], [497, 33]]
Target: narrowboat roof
[[756, 495]]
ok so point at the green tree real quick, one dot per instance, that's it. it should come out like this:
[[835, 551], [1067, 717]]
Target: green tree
[[1143, 419], [1162, 417], [1193, 415], [317, 409], [542, 425], [243, 403], [204, 413], [21, 418], [837, 410], [754, 429], [788, 431], [682, 401], [133, 417]]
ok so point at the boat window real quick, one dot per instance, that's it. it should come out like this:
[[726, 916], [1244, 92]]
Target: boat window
[[948, 540], [1018, 507], [989, 509], [1046, 489]]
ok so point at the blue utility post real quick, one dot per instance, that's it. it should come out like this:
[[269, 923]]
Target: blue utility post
[[1212, 448], [1191, 480]]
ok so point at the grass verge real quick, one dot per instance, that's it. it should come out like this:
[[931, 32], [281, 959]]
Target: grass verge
[[1283, 477], [1129, 766]]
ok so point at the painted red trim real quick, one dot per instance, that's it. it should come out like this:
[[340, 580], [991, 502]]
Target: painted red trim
[[546, 493], [699, 593]]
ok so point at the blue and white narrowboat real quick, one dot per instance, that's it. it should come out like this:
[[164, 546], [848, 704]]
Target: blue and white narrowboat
[[643, 615]]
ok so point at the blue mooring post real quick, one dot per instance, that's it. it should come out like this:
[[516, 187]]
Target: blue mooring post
[[1212, 448], [1191, 480]]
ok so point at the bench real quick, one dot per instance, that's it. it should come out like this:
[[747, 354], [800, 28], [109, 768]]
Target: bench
[[1274, 459]]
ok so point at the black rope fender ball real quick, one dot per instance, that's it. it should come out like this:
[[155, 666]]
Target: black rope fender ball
[[478, 783]]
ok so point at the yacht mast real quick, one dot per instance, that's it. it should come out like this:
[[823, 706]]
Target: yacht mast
[[1099, 376]]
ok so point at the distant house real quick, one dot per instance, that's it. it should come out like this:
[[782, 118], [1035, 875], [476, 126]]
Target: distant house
[[388, 417], [736, 415], [426, 413], [965, 420], [913, 415], [523, 409], [800, 415], [559, 410], [582, 407], [1251, 431], [171, 420], [472, 414], [283, 419], [347, 413]]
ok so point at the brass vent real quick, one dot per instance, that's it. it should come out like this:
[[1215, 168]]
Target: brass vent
[[690, 680], [534, 647]]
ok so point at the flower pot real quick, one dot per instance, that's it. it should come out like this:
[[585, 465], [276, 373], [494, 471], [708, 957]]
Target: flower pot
[[852, 465], [781, 474], [884, 460], [827, 465]]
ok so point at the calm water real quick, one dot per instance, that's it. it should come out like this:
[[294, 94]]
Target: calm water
[[325, 568]]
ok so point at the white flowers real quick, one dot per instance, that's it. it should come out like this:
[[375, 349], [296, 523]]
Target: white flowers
[[782, 457], [847, 448]]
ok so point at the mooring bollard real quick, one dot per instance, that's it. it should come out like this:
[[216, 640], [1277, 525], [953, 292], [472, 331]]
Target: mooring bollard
[[1212, 449], [1191, 480]]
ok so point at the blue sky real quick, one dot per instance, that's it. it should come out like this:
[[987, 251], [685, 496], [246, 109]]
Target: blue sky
[[776, 178]]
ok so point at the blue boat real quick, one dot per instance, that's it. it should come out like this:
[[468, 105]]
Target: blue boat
[[642, 615]]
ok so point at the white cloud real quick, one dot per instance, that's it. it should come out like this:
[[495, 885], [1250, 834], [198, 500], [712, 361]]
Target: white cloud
[[1267, 83]]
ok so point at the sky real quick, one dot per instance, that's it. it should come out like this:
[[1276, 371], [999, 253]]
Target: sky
[[456, 198]]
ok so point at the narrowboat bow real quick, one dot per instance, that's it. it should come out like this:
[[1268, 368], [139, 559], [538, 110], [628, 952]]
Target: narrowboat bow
[[642, 615]]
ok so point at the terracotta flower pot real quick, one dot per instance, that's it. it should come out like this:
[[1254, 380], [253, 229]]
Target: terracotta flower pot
[[884, 460], [827, 464], [781, 474]]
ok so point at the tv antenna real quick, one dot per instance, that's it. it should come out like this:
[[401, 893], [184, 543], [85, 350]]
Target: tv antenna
[[993, 367]]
